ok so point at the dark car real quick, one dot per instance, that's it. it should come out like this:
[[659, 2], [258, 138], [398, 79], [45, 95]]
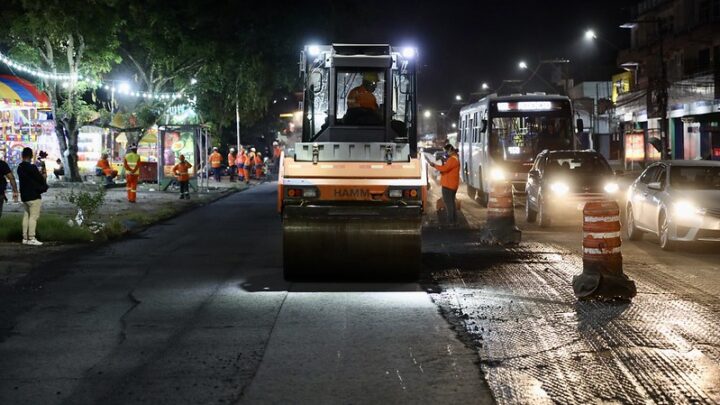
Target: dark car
[[561, 182]]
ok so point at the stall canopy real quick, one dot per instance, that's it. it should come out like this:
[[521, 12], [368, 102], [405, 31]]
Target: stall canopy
[[19, 93]]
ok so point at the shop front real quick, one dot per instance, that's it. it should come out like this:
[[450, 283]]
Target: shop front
[[25, 121]]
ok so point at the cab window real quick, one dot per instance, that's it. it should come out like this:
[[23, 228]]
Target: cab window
[[360, 95]]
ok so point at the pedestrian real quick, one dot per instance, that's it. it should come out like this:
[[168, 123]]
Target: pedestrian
[[6, 176], [232, 166], [450, 180], [258, 163], [182, 171], [216, 164], [131, 162], [32, 185], [277, 152], [40, 163], [59, 170]]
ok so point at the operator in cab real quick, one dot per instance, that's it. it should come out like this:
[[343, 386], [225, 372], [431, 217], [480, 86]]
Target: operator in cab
[[362, 106]]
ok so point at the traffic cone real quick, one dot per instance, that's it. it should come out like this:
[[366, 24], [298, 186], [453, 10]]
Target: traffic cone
[[602, 275], [501, 214]]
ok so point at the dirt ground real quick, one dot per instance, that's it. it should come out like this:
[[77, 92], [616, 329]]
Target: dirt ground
[[17, 260]]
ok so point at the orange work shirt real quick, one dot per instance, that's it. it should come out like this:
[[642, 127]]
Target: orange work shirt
[[104, 165], [182, 171], [360, 97], [249, 159], [450, 173], [231, 159], [215, 160], [276, 152]]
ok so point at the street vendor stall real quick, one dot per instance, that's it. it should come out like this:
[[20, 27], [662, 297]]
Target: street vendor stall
[[24, 121]]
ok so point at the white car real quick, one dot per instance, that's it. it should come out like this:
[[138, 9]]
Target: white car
[[678, 200]]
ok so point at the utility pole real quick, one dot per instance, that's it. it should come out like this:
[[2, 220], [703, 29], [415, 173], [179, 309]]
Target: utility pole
[[237, 122]]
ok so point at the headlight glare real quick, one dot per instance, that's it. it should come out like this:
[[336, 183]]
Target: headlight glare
[[497, 174], [559, 188], [685, 209], [611, 188]]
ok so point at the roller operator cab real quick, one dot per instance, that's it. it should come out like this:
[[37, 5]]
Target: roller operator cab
[[352, 193]]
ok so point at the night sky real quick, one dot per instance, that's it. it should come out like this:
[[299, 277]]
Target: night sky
[[464, 43]]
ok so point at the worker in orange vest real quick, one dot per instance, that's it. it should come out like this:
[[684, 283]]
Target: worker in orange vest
[[449, 180], [131, 162], [182, 172], [249, 161], [241, 164], [362, 96], [216, 164], [104, 169], [258, 166], [232, 166]]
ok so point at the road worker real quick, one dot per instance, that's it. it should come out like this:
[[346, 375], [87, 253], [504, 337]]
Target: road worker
[[240, 162], [131, 162], [362, 96], [182, 172], [104, 169], [277, 151], [450, 180], [216, 164], [248, 164], [258, 165], [232, 166]]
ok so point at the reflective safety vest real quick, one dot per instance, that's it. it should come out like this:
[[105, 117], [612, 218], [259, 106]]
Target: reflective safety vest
[[231, 159], [132, 163], [241, 160], [215, 160], [249, 159], [182, 170], [450, 173]]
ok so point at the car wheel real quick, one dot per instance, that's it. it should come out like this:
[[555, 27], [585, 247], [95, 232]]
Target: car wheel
[[664, 233], [530, 214], [543, 213], [633, 233]]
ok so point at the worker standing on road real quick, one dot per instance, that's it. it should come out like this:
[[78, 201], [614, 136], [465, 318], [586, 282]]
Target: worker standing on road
[[249, 160], [240, 161], [277, 151], [216, 164], [450, 180], [258, 163], [232, 165], [132, 172], [182, 171]]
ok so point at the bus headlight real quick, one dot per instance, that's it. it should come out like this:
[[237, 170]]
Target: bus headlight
[[497, 174], [611, 188], [559, 188]]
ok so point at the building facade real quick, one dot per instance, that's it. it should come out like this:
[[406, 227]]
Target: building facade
[[669, 92]]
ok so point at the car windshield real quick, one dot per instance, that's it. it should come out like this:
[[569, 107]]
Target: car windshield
[[577, 163], [695, 178]]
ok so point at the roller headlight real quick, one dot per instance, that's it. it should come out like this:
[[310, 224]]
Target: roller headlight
[[497, 174], [559, 188], [686, 209], [611, 188]]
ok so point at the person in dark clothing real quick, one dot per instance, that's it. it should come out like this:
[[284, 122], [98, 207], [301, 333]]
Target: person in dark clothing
[[60, 170], [6, 176], [32, 185]]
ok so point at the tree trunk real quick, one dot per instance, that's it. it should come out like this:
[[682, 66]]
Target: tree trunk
[[68, 147]]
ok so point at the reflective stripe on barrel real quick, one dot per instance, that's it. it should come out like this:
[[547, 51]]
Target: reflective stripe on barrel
[[601, 230]]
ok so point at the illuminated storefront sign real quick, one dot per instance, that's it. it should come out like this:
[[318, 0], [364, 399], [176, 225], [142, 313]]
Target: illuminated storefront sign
[[634, 150]]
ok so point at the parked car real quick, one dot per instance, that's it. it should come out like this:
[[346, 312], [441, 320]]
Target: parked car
[[561, 182], [677, 200]]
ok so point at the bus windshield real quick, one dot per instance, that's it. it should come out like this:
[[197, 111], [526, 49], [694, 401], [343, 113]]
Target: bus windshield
[[522, 137]]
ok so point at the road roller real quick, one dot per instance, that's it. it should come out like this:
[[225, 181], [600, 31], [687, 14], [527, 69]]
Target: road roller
[[352, 192]]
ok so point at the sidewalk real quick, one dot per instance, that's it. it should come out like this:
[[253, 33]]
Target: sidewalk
[[17, 260]]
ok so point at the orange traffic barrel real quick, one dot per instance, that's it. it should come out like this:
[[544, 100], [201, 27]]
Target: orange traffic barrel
[[602, 274], [501, 214]]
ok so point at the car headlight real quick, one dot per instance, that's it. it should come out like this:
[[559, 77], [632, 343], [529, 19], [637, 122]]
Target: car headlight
[[497, 174], [559, 188], [686, 209], [611, 188]]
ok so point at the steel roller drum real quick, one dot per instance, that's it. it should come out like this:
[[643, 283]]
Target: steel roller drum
[[359, 243]]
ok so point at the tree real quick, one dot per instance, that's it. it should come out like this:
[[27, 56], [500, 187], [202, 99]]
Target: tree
[[75, 37]]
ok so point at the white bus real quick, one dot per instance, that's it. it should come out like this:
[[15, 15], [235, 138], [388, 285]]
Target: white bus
[[500, 136]]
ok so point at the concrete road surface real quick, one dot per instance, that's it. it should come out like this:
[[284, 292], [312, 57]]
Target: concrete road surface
[[194, 310]]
